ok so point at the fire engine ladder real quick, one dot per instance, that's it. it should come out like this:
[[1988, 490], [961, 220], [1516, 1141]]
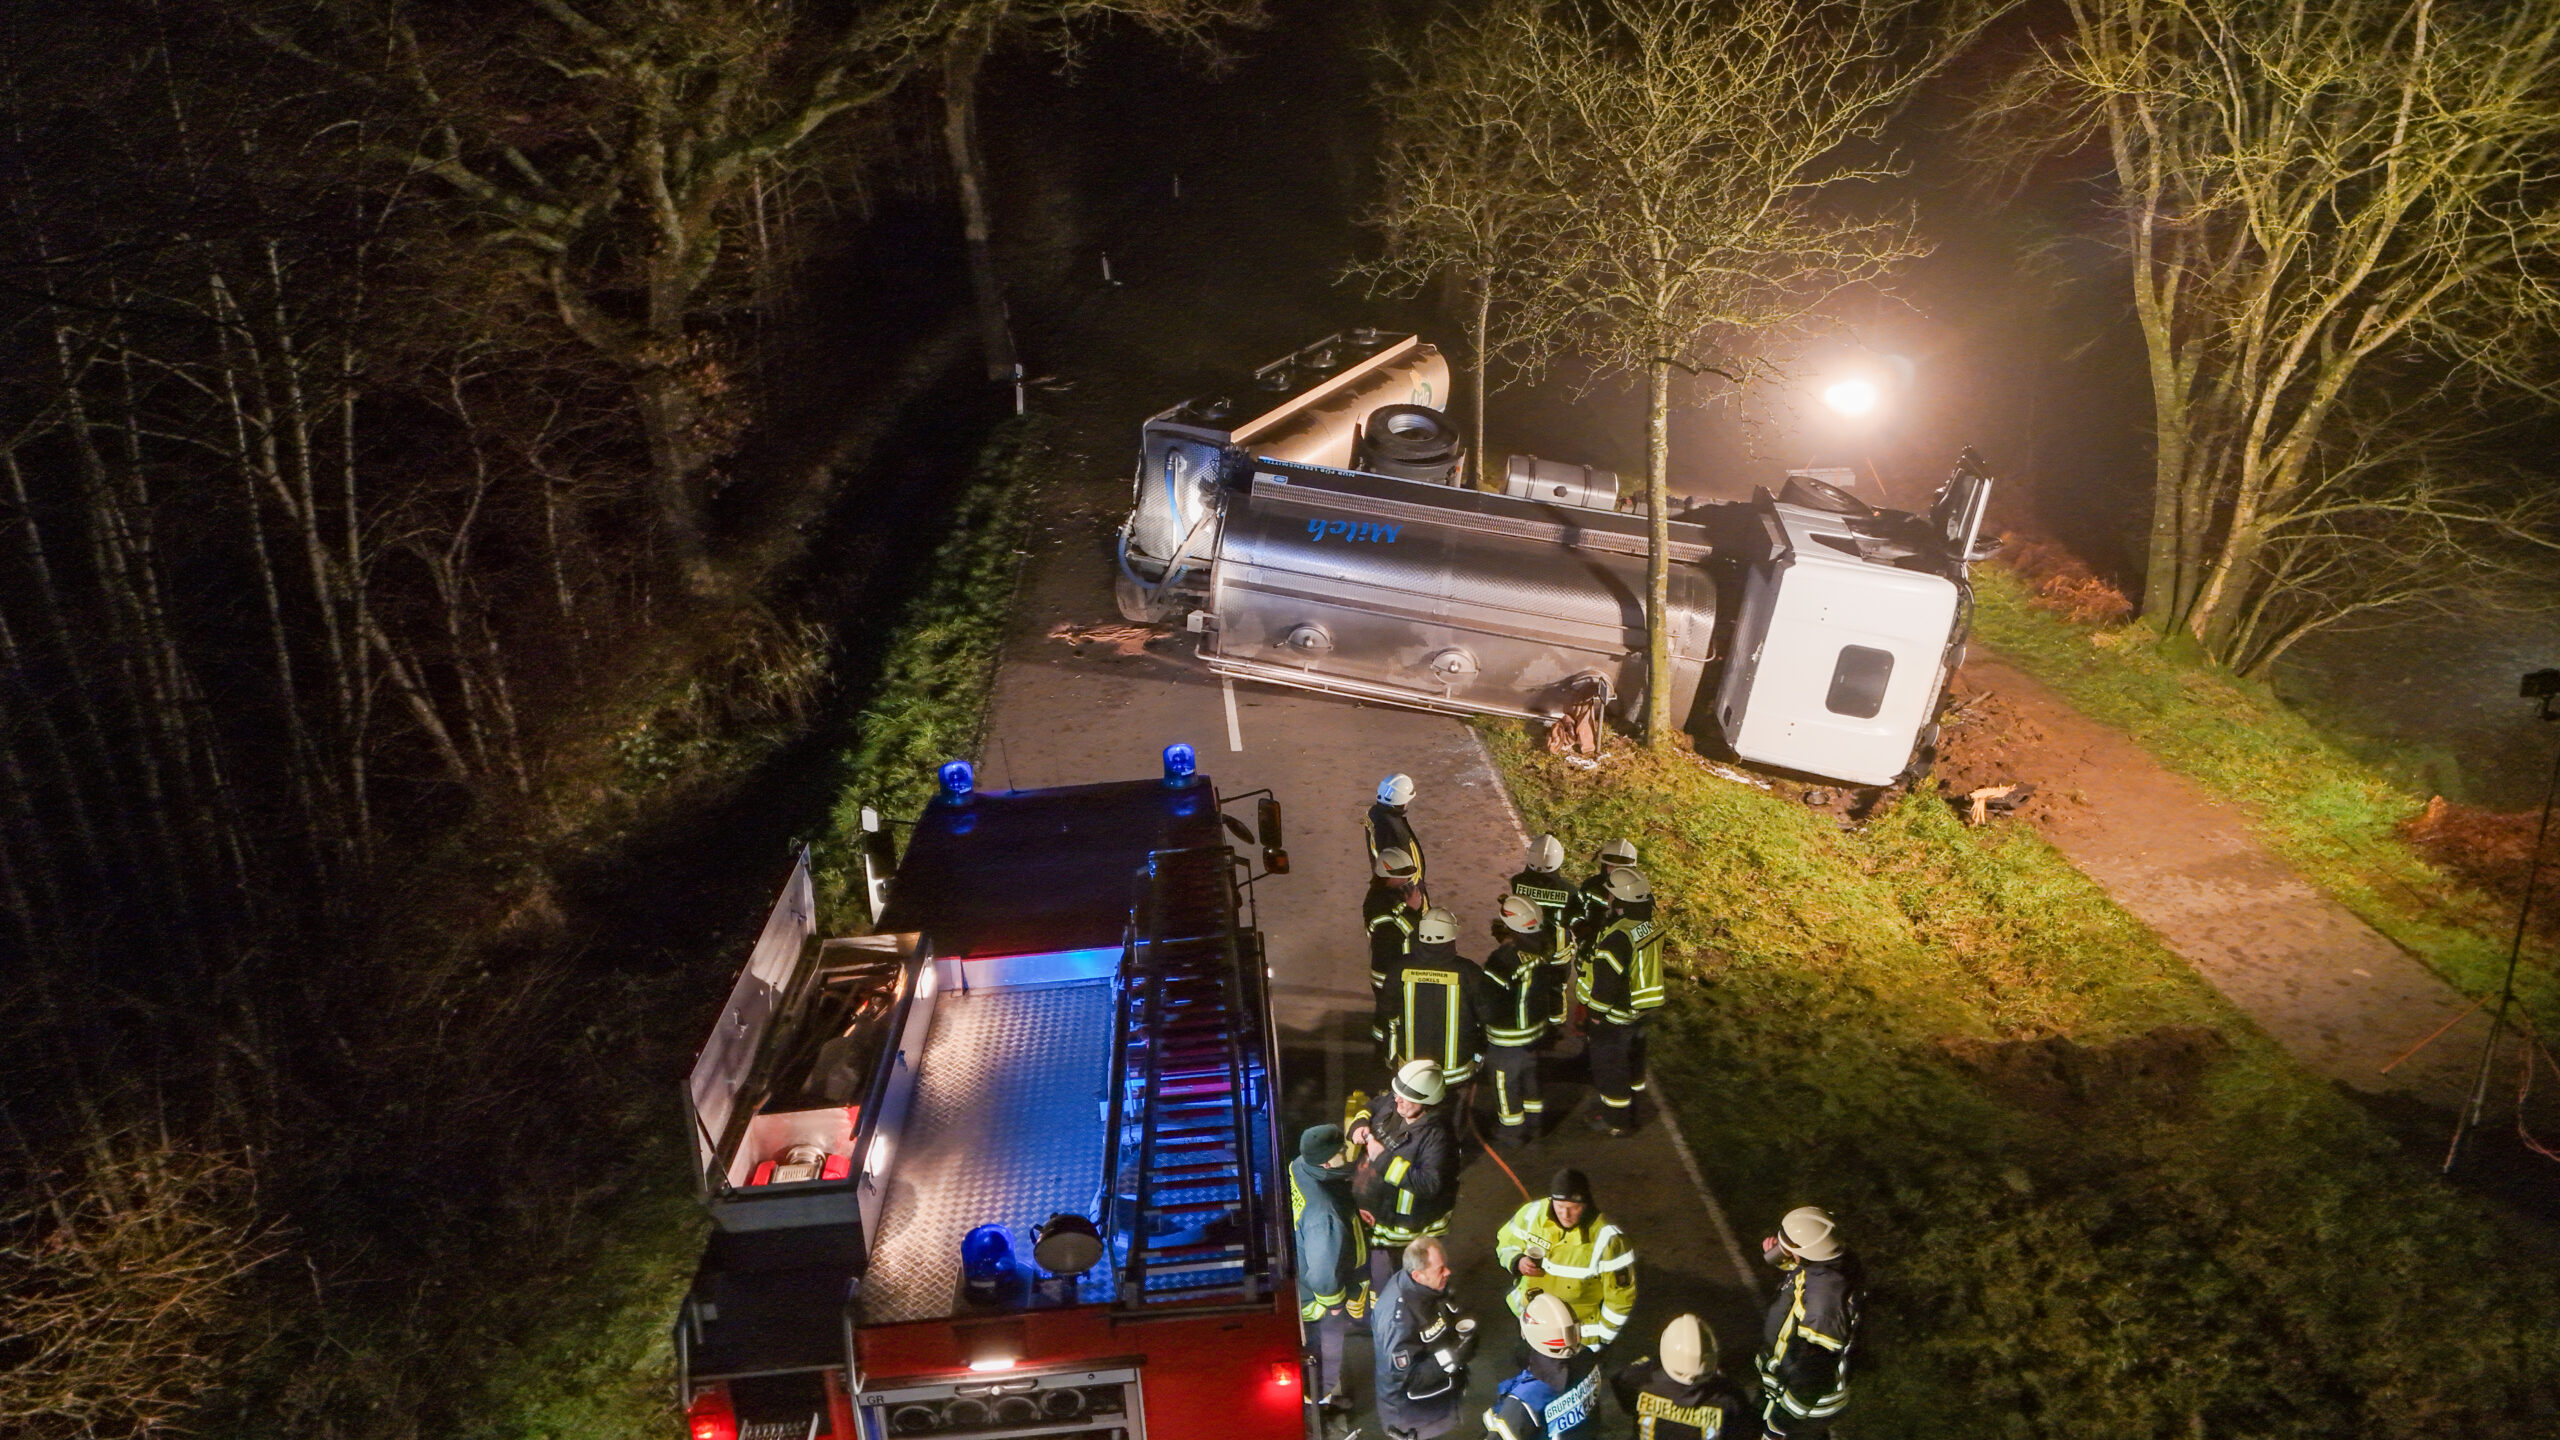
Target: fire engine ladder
[[1193, 1092]]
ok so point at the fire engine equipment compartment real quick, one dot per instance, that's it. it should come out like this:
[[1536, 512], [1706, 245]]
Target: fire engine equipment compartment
[[1445, 599], [1061, 1031]]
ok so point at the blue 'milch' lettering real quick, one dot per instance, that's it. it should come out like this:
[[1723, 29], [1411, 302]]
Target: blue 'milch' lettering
[[1349, 530]]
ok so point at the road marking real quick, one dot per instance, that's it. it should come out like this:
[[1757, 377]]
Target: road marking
[[1235, 732], [1724, 1228]]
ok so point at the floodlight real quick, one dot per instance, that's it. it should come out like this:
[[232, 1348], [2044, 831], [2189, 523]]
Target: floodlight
[[1852, 397]]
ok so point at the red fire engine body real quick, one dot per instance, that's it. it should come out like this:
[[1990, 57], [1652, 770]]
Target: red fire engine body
[[1006, 1167]]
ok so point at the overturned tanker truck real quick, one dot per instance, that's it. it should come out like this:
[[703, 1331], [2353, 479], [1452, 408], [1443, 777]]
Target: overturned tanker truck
[[1320, 526]]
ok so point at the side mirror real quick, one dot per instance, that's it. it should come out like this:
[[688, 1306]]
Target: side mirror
[[1266, 823], [879, 863]]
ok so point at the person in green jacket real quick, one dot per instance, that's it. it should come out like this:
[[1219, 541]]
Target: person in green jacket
[[1333, 1261]]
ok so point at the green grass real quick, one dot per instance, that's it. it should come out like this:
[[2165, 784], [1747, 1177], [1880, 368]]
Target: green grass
[[940, 674], [2094, 1200], [2331, 816]]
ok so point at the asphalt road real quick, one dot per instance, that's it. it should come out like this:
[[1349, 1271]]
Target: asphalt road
[[1067, 714]]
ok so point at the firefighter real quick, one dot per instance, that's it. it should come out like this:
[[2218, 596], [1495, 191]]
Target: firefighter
[[1556, 1395], [1388, 828], [1391, 912], [1812, 1326], [1333, 1260], [1563, 1246], [1541, 882], [1515, 1008], [1591, 898], [1407, 1180], [1434, 992], [1422, 1346], [1683, 1396], [1619, 984]]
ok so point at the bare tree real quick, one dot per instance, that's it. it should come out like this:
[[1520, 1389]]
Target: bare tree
[[961, 34], [2341, 225], [1462, 196], [610, 152], [1697, 150]]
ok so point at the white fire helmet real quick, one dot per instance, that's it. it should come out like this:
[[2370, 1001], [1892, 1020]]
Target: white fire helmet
[[1396, 864], [1621, 851], [1688, 1349], [1548, 1325], [1629, 885], [1546, 853], [1419, 1081], [1809, 1233], [1521, 917], [1438, 927], [1396, 790]]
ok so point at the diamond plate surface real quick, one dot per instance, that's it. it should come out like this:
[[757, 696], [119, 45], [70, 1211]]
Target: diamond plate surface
[[1007, 1130]]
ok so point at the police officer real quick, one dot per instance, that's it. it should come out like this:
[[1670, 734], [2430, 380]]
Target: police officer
[[1390, 912], [1515, 1008], [1406, 1182], [1556, 1395], [1564, 1247], [1812, 1326], [1435, 991], [1422, 1345], [1541, 882], [1388, 828], [1683, 1396], [1333, 1260], [1619, 984]]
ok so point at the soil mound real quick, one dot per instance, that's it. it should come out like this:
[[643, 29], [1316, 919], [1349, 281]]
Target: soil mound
[[1985, 741], [2491, 850]]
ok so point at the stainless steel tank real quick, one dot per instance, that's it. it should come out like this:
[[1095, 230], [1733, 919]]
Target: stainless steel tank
[[1443, 599], [1306, 406]]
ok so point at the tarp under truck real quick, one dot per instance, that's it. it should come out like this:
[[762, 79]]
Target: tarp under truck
[[1007, 1167]]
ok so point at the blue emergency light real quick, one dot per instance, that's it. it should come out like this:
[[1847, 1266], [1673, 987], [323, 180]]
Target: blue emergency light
[[957, 780], [1179, 763], [986, 1263]]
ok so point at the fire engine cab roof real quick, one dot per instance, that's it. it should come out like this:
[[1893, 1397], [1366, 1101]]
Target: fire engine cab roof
[[1018, 872]]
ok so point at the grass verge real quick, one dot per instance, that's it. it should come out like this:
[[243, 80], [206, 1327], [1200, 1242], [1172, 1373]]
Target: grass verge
[[2331, 816], [940, 672], [2095, 1202]]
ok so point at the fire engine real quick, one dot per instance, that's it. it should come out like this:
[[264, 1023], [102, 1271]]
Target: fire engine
[[1006, 1166]]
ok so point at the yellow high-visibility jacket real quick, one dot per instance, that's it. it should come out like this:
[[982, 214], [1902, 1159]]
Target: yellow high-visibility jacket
[[1591, 1267]]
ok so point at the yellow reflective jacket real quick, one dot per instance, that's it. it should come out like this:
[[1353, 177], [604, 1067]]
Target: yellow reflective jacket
[[1591, 1267]]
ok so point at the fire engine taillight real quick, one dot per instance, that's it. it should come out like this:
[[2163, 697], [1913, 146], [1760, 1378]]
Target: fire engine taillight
[[1283, 1373], [712, 1417]]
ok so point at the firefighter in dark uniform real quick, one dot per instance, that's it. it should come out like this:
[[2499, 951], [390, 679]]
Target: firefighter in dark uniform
[[1435, 991], [1683, 1396], [1406, 1182], [1591, 898], [1556, 1395], [1620, 984], [1421, 1344], [1390, 913], [1387, 826], [1812, 1326], [1333, 1260], [1516, 1008], [1542, 884]]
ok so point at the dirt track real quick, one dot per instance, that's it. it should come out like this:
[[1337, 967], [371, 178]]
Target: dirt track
[[2334, 992]]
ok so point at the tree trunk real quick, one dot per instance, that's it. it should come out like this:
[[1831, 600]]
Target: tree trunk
[[669, 413], [961, 61], [1485, 478], [1657, 565]]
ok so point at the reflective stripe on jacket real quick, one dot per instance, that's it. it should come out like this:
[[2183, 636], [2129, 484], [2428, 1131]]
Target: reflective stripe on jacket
[[1515, 1007], [1591, 1267], [1435, 992], [1811, 1330], [1389, 830], [1412, 1184], [1333, 1251], [1621, 976]]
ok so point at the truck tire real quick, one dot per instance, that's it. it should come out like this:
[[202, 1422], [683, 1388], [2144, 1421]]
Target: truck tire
[[1411, 433]]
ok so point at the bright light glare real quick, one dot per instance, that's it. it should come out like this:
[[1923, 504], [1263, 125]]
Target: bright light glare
[[1852, 397], [984, 1366]]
